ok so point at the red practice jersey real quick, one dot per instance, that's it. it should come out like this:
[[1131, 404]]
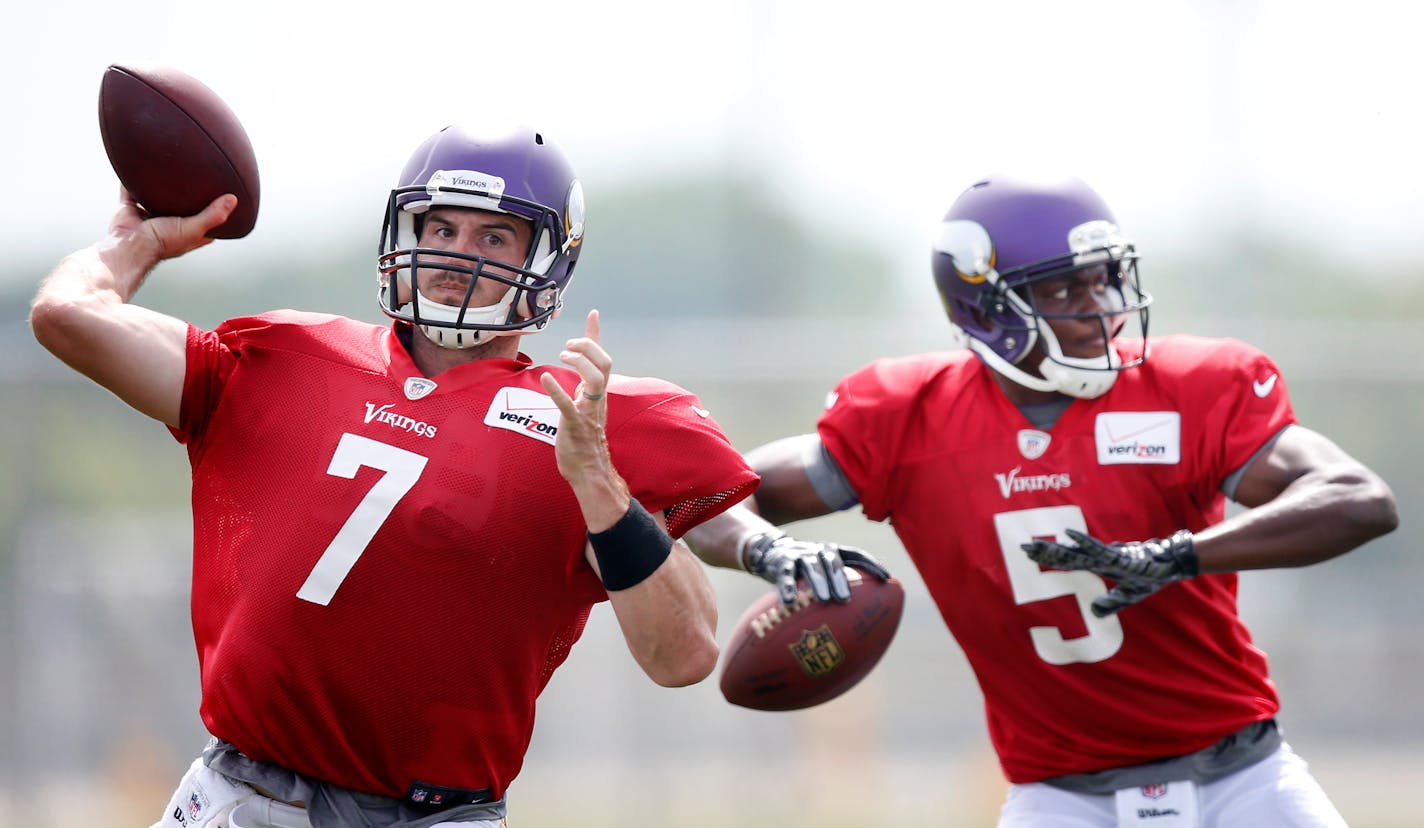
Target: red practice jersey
[[930, 443], [388, 568]]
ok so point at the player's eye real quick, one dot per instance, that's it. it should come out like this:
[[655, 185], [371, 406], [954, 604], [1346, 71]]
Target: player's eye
[[1055, 290]]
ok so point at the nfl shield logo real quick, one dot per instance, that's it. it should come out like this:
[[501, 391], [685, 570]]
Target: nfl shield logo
[[197, 803], [1154, 791], [1033, 443], [417, 387], [818, 652]]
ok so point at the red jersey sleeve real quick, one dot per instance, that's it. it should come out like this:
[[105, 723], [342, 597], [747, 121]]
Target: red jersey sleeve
[[673, 454], [209, 363], [1247, 405], [866, 416]]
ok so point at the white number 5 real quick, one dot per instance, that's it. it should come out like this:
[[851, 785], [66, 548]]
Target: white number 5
[[1032, 584], [402, 468]]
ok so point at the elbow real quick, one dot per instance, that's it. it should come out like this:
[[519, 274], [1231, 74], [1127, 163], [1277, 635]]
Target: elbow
[[47, 317], [691, 665], [1378, 512], [1369, 508], [55, 320]]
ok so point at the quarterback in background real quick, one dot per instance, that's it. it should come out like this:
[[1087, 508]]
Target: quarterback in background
[[400, 530], [1061, 486]]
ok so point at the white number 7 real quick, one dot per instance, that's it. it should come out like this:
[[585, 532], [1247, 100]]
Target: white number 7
[[402, 468]]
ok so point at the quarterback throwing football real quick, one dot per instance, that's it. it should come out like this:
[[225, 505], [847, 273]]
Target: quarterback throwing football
[[399, 531]]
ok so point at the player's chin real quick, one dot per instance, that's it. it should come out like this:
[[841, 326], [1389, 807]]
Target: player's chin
[[1086, 350]]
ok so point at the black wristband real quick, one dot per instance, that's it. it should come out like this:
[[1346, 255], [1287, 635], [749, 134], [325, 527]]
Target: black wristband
[[1182, 549], [631, 549]]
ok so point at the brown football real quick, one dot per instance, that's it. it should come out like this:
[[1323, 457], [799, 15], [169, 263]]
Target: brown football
[[176, 146], [789, 658]]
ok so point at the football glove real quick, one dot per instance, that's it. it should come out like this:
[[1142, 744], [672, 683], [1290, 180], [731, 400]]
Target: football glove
[[1140, 568], [781, 559]]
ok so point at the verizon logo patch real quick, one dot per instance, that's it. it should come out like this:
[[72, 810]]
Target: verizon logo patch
[[524, 412], [1139, 437]]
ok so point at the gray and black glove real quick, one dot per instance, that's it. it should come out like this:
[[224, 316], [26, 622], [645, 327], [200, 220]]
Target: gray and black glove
[[781, 559], [1140, 568]]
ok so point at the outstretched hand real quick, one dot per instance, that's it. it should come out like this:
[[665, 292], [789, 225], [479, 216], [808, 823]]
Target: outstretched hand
[[581, 447], [1140, 568], [781, 559]]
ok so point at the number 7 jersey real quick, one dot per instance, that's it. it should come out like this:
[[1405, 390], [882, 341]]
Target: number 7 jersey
[[387, 568], [931, 443]]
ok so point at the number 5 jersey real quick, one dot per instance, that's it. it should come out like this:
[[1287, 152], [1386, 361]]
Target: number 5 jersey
[[931, 443]]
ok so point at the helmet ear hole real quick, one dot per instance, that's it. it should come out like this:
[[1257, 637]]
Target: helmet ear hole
[[539, 302], [993, 309]]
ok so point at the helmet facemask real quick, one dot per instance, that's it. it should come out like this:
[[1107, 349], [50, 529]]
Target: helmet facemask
[[529, 302], [1091, 376]]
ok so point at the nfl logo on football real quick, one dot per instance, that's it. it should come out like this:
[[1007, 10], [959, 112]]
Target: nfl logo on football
[[818, 652]]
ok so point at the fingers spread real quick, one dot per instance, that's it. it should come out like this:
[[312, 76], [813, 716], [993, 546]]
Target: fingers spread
[[1125, 594], [1052, 554], [557, 393], [1087, 543], [835, 568], [786, 582], [862, 561], [815, 568]]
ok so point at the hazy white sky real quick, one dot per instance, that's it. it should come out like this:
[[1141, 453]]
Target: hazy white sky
[[869, 117]]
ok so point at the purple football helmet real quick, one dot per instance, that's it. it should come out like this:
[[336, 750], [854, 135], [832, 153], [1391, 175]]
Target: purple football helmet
[[1003, 234], [517, 172]]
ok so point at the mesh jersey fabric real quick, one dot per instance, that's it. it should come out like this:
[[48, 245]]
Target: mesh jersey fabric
[[931, 444], [425, 663]]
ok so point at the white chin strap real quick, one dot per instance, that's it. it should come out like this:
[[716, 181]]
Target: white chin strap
[[461, 338], [1081, 378], [1082, 382]]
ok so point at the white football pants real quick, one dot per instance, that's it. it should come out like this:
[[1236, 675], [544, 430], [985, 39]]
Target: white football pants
[[1277, 790], [208, 799]]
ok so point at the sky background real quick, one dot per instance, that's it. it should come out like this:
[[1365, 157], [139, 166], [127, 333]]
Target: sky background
[[1299, 117]]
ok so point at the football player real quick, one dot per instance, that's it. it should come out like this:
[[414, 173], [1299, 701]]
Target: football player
[[400, 531], [1061, 486]]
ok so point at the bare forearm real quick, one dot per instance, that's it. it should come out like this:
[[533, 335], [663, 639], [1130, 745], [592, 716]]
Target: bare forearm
[[81, 315], [79, 306], [1319, 516], [602, 495], [784, 495], [719, 541], [670, 620]]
